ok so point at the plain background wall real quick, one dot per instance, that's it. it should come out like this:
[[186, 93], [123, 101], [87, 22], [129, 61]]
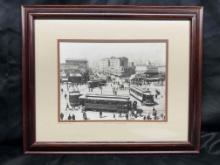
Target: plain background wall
[[10, 86]]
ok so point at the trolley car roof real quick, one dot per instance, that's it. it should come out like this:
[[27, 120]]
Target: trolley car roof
[[106, 97], [140, 90]]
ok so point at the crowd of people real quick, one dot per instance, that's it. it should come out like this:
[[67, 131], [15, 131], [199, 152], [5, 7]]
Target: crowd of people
[[133, 113], [116, 86], [119, 85]]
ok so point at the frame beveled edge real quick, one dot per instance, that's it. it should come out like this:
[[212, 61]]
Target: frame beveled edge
[[29, 13]]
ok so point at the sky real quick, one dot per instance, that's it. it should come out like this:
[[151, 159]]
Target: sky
[[139, 53]]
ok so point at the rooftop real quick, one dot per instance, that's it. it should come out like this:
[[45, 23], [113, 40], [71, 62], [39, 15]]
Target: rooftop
[[72, 59]]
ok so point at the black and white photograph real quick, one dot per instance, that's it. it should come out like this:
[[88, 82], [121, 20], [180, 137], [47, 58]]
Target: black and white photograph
[[112, 80]]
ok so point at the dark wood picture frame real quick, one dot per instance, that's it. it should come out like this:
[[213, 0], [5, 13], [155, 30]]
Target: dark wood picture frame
[[29, 13]]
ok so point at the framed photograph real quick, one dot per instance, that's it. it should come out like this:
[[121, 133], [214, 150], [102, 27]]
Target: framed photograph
[[111, 79]]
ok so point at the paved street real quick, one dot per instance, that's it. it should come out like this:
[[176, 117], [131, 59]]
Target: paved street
[[107, 90]]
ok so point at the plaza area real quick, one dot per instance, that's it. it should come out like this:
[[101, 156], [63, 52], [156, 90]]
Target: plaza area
[[69, 113]]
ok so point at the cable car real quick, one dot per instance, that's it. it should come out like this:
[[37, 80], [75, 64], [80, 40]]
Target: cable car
[[108, 103], [144, 96], [74, 98]]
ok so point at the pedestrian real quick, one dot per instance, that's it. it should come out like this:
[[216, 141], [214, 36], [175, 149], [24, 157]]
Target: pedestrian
[[148, 116], [84, 115], [73, 117], [144, 118], [100, 114], [158, 92], [120, 113], [67, 106], [154, 113], [65, 95], [135, 105], [135, 114], [126, 116], [123, 87], [114, 91], [69, 117], [61, 116]]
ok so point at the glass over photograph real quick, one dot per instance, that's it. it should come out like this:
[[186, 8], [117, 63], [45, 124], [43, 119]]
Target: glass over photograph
[[116, 80]]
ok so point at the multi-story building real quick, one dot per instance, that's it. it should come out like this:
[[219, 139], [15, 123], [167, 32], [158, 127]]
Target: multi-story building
[[75, 68], [152, 70], [117, 66], [104, 65], [140, 69], [162, 69]]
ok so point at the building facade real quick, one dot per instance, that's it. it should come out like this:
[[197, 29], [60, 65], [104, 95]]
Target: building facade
[[75, 70], [117, 66], [140, 69], [104, 66], [74, 66], [152, 70]]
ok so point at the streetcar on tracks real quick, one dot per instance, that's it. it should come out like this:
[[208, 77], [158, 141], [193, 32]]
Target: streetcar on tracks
[[74, 98], [96, 83], [106, 103], [144, 96]]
